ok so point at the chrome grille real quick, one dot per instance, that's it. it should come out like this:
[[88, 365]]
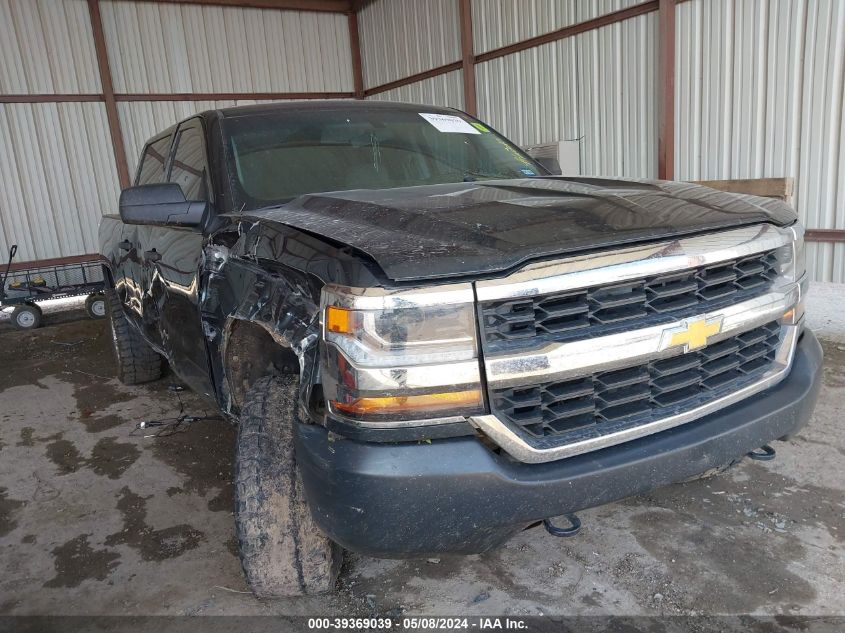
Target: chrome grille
[[585, 352], [601, 310], [567, 411]]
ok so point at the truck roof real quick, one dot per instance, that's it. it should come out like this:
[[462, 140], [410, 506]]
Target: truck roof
[[324, 104]]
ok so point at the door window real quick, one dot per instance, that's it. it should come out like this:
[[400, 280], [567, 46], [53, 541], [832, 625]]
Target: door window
[[153, 159], [188, 168]]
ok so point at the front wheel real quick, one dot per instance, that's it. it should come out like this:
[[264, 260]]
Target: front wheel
[[26, 316], [282, 551]]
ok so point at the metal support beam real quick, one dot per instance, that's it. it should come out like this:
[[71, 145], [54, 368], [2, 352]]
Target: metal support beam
[[175, 96], [466, 43], [355, 51], [428, 74], [358, 5], [50, 98], [569, 31], [108, 93], [825, 235], [322, 6], [231, 96], [666, 91], [468, 58]]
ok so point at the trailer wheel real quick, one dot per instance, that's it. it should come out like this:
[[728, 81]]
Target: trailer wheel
[[26, 316], [137, 362], [95, 306], [282, 551]]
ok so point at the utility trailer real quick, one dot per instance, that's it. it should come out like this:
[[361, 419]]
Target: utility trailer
[[27, 286]]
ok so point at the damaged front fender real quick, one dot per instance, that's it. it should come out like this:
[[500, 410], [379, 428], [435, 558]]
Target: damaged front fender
[[260, 306]]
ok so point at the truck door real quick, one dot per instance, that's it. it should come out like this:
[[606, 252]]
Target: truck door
[[129, 269], [172, 257]]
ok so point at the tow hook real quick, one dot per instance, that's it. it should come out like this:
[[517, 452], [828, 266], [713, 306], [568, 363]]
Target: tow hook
[[565, 532], [763, 454]]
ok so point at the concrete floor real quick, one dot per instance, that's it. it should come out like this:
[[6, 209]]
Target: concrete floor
[[97, 519]]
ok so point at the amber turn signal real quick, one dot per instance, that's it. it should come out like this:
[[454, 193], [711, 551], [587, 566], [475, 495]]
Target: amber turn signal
[[339, 320], [403, 404]]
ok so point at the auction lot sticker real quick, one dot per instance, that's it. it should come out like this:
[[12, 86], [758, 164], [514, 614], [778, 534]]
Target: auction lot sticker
[[449, 124]]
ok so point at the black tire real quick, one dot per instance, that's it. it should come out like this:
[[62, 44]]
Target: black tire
[[137, 362], [95, 306], [710, 473], [26, 316], [282, 551]]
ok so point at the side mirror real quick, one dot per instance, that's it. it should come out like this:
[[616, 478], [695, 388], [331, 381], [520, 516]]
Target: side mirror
[[161, 204], [550, 164]]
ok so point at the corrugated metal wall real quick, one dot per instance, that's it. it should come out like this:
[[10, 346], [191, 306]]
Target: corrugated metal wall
[[443, 90], [759, 93], [266, 51], [57, 176], [598, 87], [546, 78], [57, 170], [400, 38], [497, 23], [57, 166], [178, 48], [46, 47]]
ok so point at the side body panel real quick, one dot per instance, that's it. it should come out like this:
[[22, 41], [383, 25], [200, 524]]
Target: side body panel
[[172, 286], [170, 270], [130, 286], [157, 272], [110, 232]]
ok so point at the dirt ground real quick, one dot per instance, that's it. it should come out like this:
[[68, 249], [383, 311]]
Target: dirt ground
[[98, 518]]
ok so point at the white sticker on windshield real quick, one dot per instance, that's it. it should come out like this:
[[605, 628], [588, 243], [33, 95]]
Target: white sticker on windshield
[[449, 124]]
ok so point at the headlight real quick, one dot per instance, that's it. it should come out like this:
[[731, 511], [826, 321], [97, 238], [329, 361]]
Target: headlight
[[398, 356], [793, 259], [793, 270], [406, 335]]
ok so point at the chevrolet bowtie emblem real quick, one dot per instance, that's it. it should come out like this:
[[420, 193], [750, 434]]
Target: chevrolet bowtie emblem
[[692, 334]]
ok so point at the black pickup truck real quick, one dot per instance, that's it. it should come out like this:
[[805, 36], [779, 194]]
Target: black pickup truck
[[429, 342]]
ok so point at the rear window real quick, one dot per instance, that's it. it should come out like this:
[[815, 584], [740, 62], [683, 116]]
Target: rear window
[[151, 169], [188, 169]]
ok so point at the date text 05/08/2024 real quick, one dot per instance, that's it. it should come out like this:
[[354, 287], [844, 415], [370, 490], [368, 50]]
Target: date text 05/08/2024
[[421, 623]]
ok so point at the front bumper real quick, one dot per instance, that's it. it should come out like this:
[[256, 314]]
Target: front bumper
[[455, 495]]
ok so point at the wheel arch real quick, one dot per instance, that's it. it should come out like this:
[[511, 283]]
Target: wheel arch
[[263, 296], [250, 352]]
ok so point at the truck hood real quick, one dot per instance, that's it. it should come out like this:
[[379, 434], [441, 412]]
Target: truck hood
[[482, 228]]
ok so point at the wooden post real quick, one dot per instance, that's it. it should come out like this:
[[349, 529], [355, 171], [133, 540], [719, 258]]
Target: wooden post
[[108, 93], [825, 235], [666, 91], [468, 58]]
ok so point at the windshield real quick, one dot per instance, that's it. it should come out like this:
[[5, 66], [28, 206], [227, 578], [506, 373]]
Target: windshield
[[274, 158]]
